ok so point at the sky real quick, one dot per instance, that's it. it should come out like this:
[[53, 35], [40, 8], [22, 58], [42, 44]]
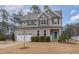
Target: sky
[[70, 13]]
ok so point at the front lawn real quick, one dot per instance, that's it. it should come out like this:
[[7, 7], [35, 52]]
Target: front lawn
[[42, 47]]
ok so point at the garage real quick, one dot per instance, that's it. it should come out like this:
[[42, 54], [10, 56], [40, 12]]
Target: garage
[[22, 37]]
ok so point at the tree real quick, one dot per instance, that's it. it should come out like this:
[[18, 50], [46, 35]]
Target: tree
[[35, 9], [13, 37], [46, 7], [4, 16], [5, 26], [2, 36], [17, 17], [20, 13], [71, 29], [67, 30]]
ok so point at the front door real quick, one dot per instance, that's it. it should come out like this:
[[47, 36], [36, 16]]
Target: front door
[[55, 35]]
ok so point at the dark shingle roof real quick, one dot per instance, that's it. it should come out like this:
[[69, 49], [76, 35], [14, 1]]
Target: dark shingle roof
[[59, 12], [31, 16]]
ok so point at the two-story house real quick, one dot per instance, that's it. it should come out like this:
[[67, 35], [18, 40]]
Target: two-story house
[[47, 23]]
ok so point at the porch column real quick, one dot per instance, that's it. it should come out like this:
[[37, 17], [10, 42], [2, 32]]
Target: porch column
[[60, 31]]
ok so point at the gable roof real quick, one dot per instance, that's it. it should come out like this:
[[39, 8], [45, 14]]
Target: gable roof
[[43, 13], [33, 16], [57, 13]]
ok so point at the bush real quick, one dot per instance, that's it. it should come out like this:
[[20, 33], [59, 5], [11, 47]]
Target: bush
[[47, 39], [34, 39], [2, 37], [64, 38], [40, 39], [13, 37]]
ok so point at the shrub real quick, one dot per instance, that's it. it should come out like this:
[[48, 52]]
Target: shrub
[[13, 37], [2, 37], [40, 39], [34, 39], [47, 39], [64, 38]]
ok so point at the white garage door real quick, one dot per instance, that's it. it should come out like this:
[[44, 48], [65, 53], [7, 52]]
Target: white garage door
[[22, 37]]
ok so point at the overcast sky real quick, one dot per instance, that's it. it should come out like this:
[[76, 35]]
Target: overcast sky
[[70, 12]]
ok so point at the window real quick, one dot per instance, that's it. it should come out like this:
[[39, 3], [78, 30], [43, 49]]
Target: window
[[44, 32], [35, 22], [52, 21], [31, 22], [37, 32], [56, 21], [43, 21], [47, 21]]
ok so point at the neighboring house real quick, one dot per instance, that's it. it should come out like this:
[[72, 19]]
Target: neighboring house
[[10, 29], [47, 23], [12, 24], [75, 32]]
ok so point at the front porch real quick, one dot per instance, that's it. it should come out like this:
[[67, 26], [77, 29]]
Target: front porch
[[54, 34]]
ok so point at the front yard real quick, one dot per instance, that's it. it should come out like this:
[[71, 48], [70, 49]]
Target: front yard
[[41, 48]]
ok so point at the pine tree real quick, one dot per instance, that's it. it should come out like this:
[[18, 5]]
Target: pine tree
[[46, 7], [35, 9]]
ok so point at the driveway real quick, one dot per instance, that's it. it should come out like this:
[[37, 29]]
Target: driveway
[[41, 48]]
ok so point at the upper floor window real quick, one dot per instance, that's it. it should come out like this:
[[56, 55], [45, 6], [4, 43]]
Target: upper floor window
[[55, 21], [52, 21], [47, 21], [43, 21], [58, 21], [32, 22]]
